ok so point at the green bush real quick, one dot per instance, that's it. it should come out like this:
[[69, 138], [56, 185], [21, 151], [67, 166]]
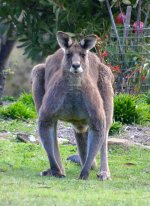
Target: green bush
[[130, 109], [116, 128], [27, 99], [23, 108], [125, 109], [143, 111], [144, 98]]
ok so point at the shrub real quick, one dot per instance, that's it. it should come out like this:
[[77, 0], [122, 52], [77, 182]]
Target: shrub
[[144, 98], [17, 110], [143, 111], [27, 100], [23, 108], [125, 109], [116, 128]]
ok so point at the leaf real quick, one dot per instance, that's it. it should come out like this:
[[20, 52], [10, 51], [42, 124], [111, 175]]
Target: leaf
[[136, 3], [27, 43], [43, 25], [127, 2], [23, 40]]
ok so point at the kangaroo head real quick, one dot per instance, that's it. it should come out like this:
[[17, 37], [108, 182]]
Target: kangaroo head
[[75, 54]]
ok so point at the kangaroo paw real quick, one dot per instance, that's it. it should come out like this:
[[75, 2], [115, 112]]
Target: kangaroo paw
[[83, 176], [50, 172], [57, 174], [46, 173], [104, 175]]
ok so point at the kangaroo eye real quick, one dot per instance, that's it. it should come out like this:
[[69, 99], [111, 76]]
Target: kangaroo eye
[[82, 55], [69, 55]]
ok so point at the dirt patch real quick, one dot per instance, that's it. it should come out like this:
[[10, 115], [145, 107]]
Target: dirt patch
[[4, 135], [65, 131], [136, 133]]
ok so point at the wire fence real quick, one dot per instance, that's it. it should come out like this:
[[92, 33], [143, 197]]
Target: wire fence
[[133, 60]]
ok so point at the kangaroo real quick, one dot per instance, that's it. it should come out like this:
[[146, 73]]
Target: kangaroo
[[74, 86]]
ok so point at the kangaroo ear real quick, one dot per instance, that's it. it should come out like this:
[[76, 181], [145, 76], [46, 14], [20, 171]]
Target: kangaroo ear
[[64, 40], [88, 42]]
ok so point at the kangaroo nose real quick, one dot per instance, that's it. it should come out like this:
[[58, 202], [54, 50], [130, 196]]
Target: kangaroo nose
[[76, 66]]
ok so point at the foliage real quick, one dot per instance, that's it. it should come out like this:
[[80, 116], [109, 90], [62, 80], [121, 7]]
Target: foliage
[[8, 99], [23, 108], [26, 99], [143, 111], [36, 21], [134, 66], [125, 109], [21, 163], [115, 128], [144, 98], [129, 109], [17, 110]]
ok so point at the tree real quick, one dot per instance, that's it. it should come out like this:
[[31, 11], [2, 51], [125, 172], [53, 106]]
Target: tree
[[35, 22], [6, 45]]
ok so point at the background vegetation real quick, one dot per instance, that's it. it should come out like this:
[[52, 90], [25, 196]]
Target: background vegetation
[[36, 22]]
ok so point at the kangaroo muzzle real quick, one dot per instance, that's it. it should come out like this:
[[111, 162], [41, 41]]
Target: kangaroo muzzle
[[76, 68]]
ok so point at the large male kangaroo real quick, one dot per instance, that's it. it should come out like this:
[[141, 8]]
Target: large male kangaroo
[[74, 86]]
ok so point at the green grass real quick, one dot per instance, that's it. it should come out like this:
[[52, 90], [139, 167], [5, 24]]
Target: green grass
[[20, 164], [18, 126], [116, 128]]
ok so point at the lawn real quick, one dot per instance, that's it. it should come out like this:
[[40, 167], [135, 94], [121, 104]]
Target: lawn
[[21, 184]]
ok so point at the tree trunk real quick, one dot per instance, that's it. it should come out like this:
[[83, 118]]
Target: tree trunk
[[4, 54]]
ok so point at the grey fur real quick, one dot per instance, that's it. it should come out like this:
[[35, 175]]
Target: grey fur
[[82, 96]]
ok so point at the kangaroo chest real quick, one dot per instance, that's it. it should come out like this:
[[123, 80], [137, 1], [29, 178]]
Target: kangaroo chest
[[73, 108]]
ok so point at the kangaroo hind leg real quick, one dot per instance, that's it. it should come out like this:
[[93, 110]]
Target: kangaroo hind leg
[[38, 84], [81, 141], [48, 137]]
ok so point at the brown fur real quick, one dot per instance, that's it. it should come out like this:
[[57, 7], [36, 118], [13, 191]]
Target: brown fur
[[77, 89]]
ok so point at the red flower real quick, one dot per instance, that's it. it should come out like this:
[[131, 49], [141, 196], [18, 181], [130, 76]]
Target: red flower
[[116, 69], [120, 19], [105, 54], [137, 26], [143, 77]]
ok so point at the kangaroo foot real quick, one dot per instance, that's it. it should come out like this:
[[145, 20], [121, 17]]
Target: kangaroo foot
[[104, 175], [46, 173], [83, 176], [54, 173], [76, 159]]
